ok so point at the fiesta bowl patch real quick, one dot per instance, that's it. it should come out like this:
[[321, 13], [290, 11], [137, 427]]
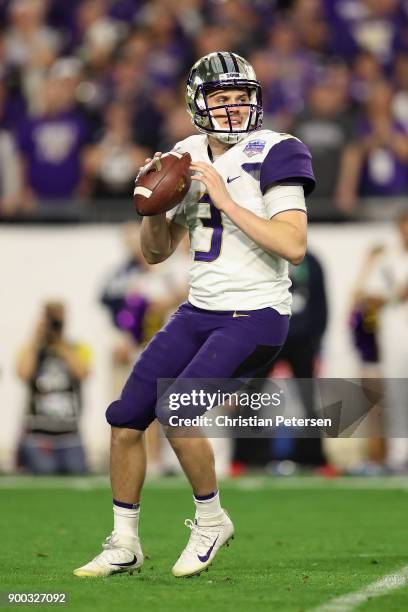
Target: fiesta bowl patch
[[253, 147]]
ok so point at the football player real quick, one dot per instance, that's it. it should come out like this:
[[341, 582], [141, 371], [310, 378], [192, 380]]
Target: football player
[[246, 217]]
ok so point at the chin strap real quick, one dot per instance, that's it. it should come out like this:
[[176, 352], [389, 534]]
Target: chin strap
[[229, 138]]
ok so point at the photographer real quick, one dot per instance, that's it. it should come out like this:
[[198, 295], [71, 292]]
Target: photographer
[[53, 369]]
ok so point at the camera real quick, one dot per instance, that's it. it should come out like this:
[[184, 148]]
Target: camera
[[54, 314], [55, 325]]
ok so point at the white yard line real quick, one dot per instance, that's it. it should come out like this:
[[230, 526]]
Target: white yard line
[[350, 601]]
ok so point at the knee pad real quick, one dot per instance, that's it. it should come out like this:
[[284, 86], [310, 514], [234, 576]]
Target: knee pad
[[120, 414], [117, 414]]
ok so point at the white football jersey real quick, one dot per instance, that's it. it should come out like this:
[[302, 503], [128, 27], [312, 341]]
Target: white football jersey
[[228, 270]]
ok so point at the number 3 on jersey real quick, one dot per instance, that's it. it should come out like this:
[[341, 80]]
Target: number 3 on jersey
[[213, 222]]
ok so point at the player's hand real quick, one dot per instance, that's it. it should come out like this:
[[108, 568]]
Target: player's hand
[[214, 183], [147, 161]]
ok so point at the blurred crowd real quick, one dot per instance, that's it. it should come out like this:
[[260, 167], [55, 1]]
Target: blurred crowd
[[89, 88]]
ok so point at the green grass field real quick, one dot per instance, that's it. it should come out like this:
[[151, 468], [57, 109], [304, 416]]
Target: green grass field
[[300, 542]]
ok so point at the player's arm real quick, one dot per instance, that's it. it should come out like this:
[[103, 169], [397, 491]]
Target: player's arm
[[160, 237], [284, 234]]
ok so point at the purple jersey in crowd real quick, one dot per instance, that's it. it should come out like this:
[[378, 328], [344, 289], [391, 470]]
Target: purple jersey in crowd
[[355, 26], [51, 146], [384, 173]]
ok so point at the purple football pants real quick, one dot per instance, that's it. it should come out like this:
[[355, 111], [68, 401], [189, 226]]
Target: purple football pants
[[198, 343]]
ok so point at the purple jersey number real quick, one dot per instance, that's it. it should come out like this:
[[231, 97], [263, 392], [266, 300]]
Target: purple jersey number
[[215, 223]]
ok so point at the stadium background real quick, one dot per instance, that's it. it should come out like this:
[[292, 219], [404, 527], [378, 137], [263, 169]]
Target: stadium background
[[333, 72]]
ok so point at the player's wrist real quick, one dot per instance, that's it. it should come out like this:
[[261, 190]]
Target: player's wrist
[[228, 206], [155, 224], [155, 219]]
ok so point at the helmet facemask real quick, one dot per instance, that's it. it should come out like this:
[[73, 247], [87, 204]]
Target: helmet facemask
[[204, 117]]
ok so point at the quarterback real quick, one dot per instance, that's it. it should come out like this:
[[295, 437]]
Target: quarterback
[[246, 218]]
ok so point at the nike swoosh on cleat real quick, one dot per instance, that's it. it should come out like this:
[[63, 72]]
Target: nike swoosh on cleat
[[126, 564], [236, 315], [229, 180], [205, 557]]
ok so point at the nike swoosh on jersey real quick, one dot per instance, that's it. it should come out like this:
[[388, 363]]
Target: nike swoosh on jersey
[[229, 180], [126, 564], [204, 558], [236, 315]]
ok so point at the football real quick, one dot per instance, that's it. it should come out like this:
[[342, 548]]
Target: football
[[162, 183]]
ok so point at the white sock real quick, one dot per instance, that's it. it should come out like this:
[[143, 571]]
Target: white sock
[[208, 507], [126, 521]]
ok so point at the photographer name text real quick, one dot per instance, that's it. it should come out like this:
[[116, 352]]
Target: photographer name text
[[223, 420]]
